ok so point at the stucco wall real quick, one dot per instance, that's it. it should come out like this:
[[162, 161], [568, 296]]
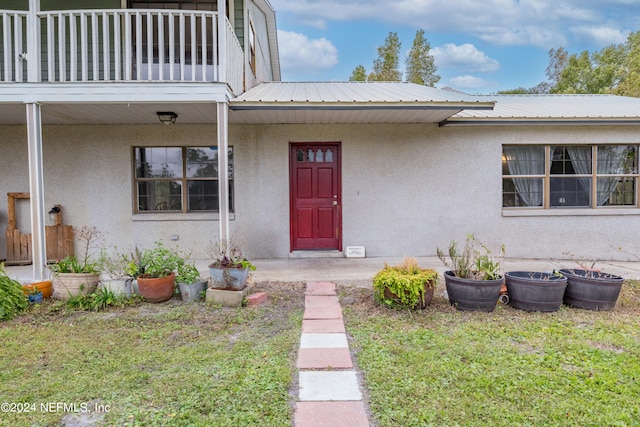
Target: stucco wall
[[405, 189]]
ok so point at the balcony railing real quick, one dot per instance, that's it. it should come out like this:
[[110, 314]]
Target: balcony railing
[[121, 45]]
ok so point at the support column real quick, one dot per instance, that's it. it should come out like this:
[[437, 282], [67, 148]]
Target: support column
[[36, 187], [223, 169]]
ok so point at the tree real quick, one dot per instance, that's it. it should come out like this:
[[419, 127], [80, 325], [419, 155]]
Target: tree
[[359, 74], [596, 72], [629, 73], [420, 66], [385, 67], [558, 59]]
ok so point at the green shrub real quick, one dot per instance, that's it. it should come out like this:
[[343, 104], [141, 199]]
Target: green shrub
[[12, 298], [406, 281]]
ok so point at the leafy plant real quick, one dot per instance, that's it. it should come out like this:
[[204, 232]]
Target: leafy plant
[[89, 238], [12, 298], [114, 265], [405, 283], [159, 261], [227, 254], [475, 261], [98, 301], [187, 273]]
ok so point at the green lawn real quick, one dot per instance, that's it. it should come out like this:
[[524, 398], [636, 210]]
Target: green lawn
[[443, 367], [169, 364], [175, 364]]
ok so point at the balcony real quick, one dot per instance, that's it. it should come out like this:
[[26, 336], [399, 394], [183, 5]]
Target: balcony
[[120, 45]]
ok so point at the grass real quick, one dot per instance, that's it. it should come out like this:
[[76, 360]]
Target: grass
[[444, 367], [169, 364], [175, 364]]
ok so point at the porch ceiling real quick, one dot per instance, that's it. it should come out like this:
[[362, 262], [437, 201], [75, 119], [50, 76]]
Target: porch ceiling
[[113, 102], [120, 113]]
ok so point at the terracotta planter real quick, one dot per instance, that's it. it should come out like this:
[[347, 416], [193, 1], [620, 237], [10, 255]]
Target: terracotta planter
[[66, 285], [535, 291], [157, 289], [231, 279], [599, 292], [44, 286], [472, 295], [429, 289]]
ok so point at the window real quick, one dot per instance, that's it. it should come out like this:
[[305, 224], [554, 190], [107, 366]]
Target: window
[[178, 179], [570, 176]]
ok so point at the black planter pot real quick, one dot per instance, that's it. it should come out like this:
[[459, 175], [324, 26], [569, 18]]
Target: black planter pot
[[535, 291], [472, 295], [599, 292]]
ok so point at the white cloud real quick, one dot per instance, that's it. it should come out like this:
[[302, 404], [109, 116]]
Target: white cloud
[[464, 57], [468, 82], [599, 35], [299, 54], [541, 23]]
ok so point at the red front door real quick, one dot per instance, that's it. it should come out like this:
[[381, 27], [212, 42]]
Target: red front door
[[315, 196]]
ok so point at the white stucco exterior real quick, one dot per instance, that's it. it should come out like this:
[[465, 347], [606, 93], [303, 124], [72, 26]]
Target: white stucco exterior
[[406, 188]]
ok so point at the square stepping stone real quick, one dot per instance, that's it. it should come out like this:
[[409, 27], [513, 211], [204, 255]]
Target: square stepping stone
[[321, 326], [320, 300], [328, 385], [330, 414], [324, 358], [323, 341], [332, 312], [320, 288]]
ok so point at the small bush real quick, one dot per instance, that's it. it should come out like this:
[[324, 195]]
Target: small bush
[[406, 281], [13, 301]]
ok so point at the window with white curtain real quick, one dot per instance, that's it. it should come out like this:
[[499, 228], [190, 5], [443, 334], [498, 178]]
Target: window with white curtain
[[569, 176]]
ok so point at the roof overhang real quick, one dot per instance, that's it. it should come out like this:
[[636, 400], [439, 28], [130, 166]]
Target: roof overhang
[[348, 102], [588, 121]]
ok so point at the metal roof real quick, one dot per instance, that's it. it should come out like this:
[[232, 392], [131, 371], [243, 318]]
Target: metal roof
[[561, 108], [349, 102]]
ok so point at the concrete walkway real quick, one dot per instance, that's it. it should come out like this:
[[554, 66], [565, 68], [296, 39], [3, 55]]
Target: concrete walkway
[[329, 391]]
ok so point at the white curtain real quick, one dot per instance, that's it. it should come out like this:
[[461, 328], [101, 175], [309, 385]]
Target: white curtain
[[610, 160], [526, 160], [581, 162]]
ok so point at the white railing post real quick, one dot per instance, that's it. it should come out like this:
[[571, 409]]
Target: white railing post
[[33, 43], [222, 41]]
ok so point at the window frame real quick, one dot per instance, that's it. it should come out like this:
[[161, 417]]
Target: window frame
[[634, 177], [184, 180]]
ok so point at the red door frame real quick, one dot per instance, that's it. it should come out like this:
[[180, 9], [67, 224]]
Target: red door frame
[[334, 202]]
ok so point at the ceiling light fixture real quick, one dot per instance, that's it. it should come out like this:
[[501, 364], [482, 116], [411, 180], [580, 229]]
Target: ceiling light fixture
[[167, 117]]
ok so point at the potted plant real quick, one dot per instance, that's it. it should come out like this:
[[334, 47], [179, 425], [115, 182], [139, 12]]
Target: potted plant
[[473, 280], [12, 298], [73, 276], [35, 296], [535, 291], [189, 282], [405, 285], [591, 289], [115, 277], [156, 272], [229, 269]]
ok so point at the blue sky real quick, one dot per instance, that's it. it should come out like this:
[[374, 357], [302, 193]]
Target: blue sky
[[480, 46]]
